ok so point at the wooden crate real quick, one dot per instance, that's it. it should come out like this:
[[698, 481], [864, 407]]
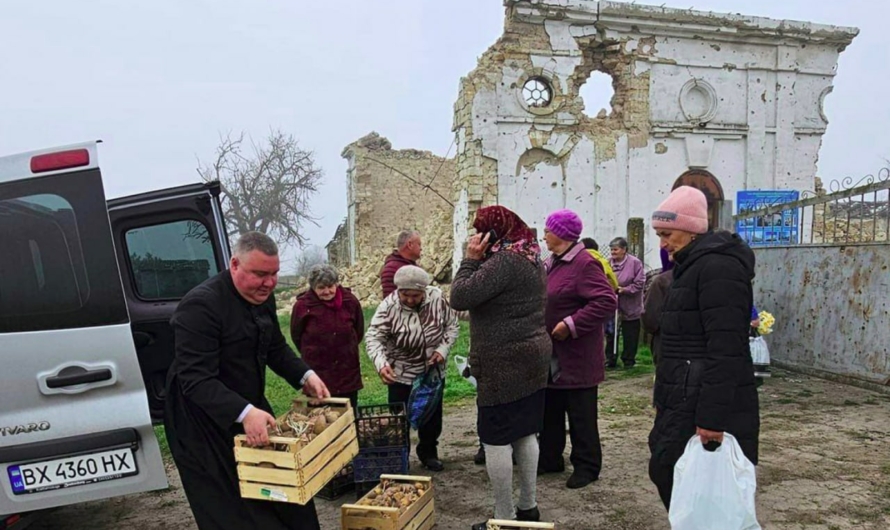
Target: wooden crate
[[420, 516], [495, 524], [302, 470]]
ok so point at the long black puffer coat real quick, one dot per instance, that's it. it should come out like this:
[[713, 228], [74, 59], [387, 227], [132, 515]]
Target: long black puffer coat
[[704, 376]]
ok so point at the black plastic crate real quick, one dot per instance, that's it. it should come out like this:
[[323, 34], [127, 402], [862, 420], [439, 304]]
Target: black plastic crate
[[382, 426], [371, 463], [339, 485], [362, 488]]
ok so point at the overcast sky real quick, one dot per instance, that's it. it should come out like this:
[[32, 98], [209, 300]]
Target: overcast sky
[[159, 80]]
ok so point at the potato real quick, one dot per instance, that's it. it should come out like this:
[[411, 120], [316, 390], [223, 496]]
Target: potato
[[320, 425], [331, 416]]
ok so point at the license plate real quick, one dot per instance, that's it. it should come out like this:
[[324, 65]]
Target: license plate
[[72, 471]]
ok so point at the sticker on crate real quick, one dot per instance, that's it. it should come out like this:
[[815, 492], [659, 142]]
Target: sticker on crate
[[382, 426], [396, 503], [495, 524], [297, 464]]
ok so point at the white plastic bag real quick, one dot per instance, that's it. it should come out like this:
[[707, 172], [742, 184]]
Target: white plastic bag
[[759, 351], [714, 490], [461, 362]]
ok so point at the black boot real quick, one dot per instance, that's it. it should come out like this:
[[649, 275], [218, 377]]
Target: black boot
[[532, 515], [479, 459]]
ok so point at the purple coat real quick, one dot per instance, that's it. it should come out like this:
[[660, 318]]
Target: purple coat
[[632, 278], [579, 294]]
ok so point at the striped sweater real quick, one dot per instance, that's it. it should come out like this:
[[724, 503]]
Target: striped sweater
[[407, 338]]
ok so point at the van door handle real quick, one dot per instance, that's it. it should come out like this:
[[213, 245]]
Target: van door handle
[[75, 375]]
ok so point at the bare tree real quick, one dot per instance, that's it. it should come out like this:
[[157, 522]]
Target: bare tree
[[310, 256], [266, 189]]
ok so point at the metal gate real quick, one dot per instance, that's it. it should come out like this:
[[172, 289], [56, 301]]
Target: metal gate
[[829, 285]]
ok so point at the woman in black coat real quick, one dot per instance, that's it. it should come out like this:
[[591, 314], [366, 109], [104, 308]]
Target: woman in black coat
[[704, 381]]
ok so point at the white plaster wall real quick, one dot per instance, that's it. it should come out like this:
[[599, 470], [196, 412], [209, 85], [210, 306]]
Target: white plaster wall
[[765, 134]]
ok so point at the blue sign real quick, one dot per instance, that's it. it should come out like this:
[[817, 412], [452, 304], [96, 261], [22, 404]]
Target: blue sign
[[777, 229]]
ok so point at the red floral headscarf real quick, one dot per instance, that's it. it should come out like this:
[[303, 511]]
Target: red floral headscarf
[[513, 235]]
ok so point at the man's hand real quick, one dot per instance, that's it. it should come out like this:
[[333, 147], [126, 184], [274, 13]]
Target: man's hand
[[476, 246], [256, 425], [387, 375], [755, 323], [316, 388], [436, 359], [560, 332], [709, 436]]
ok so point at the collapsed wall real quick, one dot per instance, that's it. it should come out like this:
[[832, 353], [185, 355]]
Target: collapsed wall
[[389, 191]]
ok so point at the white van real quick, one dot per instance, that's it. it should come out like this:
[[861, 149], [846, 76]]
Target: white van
[[87, 289]]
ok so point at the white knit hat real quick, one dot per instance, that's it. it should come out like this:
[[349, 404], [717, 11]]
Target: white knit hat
[[411, 278]]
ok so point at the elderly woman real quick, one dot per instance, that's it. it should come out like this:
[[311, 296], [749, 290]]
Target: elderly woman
[[501, 283], [704, 382], [327, 326], [631, 281], [412, 331], [654, 303], [579, 301]]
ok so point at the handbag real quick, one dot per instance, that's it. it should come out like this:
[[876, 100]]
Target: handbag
[[426, 394]]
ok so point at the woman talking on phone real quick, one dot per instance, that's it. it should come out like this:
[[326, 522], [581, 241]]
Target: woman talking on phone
[[501, 283]]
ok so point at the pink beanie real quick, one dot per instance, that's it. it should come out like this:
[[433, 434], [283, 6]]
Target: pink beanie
[[686, 209], [565, 224]]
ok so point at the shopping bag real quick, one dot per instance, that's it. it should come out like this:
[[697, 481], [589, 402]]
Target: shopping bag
[[426, 394], [759, 351], [713, 490], [463, 369]]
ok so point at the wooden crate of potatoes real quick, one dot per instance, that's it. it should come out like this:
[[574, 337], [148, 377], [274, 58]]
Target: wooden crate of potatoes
[[495, 524], [399, 502], [311, 445]]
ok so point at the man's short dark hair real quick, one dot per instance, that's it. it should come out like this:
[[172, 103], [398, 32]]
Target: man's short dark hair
[[590, 243], [250, 241]]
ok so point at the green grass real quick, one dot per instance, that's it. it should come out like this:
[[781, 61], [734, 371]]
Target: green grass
[[457, 389]]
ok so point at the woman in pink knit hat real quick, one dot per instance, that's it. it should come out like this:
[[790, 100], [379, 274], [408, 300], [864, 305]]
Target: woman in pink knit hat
[[704, 383]]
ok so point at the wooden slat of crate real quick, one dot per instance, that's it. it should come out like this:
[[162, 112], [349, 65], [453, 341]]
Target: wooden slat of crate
[[421, 515], [300, 474], [517, 525]]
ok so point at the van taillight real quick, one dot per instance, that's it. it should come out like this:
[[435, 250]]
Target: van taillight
[[60, 160]]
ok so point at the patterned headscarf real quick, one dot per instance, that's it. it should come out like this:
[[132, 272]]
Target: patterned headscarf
[[513, 235]]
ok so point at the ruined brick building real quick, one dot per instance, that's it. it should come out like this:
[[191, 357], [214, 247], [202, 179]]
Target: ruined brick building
[[721, 102]]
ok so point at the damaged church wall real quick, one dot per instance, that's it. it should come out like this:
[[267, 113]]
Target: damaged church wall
[[389, 191], [734, 97]]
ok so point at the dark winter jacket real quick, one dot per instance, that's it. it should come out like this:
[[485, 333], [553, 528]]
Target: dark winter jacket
[[328, 338], [656, 295], [510, 354], [704, 376], [393, 263], [578, 294]]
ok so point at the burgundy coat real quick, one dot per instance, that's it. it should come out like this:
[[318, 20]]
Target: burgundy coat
[[328, 339], [579, 294], [393, 263]]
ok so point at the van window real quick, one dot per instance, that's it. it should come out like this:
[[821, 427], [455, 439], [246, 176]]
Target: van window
[[168, 260], [41, 269], [51, 275]]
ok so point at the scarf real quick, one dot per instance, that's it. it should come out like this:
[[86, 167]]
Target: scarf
[[513, 235]]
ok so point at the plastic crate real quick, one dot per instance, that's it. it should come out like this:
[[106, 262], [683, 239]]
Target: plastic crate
[[382, 426], [338, 486], [371, 463], [362, 488]]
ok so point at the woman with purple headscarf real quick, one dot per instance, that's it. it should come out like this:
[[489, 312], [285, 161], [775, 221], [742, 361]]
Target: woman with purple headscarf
[[654, 303]]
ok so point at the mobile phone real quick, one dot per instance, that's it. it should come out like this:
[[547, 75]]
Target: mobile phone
[[492, 237]]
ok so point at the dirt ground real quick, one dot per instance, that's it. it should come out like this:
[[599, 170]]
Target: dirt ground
[[825, 465]]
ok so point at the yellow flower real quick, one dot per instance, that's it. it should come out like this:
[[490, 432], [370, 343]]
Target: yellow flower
[[766, 323]]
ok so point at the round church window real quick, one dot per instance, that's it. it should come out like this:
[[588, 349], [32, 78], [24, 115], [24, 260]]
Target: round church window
[[537, 93]]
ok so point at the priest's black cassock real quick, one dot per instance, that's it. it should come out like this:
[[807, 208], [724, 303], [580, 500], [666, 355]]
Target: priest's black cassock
[[223, 345]]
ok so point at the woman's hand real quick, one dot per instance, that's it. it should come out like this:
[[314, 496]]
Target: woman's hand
[[436, 359], [560, 332], [755, 323], [476, 246], [709, 436], [387, 375]]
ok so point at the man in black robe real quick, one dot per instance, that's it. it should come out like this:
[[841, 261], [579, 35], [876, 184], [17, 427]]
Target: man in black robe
[[226, 332]]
